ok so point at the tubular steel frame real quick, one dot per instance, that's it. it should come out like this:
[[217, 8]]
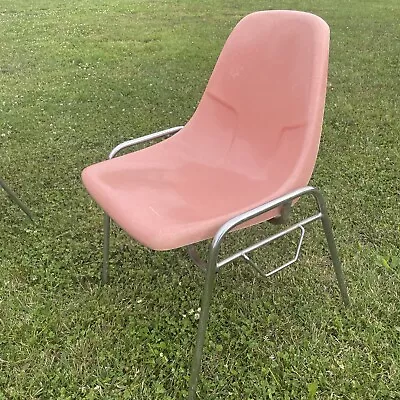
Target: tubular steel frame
[[213, 265], [16, 200]]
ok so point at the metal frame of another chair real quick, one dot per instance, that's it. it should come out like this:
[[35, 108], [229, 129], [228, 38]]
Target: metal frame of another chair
[[212, 265], [15, 199]]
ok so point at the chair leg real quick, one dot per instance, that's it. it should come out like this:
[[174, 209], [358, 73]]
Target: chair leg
[[201, 331], [16, 200], [326, 223], [106, 250]]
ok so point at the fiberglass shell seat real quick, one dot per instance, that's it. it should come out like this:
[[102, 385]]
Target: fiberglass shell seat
[[245, 156], [253, 138]]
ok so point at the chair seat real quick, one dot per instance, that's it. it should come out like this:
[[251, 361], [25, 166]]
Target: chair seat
[[165, 197]]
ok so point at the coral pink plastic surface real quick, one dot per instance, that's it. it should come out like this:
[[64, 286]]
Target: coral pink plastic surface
[[254, 137]]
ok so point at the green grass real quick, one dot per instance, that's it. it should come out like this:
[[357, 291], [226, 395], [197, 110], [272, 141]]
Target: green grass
[[79, 77]]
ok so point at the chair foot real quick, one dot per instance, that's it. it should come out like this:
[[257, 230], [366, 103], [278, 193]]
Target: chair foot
[[106, 250]]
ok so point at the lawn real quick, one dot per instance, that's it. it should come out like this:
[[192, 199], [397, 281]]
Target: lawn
[[79, 77]]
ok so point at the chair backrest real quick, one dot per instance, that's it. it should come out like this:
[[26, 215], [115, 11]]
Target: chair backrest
[[262, 109]]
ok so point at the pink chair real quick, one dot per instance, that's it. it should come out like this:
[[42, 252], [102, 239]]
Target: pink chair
[[245, 156]]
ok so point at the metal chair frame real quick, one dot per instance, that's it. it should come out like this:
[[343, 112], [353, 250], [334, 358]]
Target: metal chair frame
[[15, 199], [213, 265]]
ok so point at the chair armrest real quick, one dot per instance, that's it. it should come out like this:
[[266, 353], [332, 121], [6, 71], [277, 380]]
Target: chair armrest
[[263, 208], [143, 139], [257, 211]]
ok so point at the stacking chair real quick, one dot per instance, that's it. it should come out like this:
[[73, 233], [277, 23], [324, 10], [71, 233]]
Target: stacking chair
[[15, 199], [246, 155]]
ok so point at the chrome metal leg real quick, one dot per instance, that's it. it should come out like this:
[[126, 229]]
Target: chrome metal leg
[[213, 265], [16, 200], [326, 223], [106, 249], [204, 314], [195, 257], [286, 210], [335, 259]]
